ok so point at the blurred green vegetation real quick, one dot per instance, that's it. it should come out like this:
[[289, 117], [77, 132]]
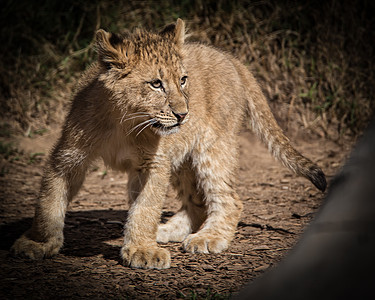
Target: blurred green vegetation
[[319, 55]]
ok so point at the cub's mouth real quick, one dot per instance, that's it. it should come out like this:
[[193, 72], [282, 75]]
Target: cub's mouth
[[165, 130], [166, 125], [159, 125]]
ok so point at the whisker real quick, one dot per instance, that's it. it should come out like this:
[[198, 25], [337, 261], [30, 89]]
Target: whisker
[[140, 124], [122, 118], [123, 115], [152, 121], [139, 112], [134, 115]]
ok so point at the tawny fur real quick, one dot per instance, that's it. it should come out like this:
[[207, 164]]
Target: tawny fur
[[166, 112]]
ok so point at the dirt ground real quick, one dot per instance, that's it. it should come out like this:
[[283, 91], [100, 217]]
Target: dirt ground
[[277, 208]]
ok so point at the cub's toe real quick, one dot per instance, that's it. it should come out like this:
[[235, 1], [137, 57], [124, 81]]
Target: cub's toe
[[145, 257], [27, 248], [205, 243]]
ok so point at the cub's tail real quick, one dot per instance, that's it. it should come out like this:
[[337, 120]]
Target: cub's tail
[[265, 126]]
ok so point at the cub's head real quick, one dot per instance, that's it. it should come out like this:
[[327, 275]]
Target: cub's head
[[145, 78]]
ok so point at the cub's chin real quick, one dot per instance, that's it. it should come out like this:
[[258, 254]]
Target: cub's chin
[[163, 130]]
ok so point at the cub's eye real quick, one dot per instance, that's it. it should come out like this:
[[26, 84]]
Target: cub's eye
[[183, 80], [156, 84]]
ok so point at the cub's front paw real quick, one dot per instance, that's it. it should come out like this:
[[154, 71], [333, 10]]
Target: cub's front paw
[[27, 248], [146, 257], [205, 243]]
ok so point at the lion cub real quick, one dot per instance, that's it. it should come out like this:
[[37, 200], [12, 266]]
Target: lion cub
[[164, 111]]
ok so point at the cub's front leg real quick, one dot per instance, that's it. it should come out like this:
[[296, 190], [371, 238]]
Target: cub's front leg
[[147, 189], [63, 176]]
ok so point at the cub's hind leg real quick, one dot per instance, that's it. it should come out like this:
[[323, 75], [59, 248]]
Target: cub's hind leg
[[215, 176], [192, 212]]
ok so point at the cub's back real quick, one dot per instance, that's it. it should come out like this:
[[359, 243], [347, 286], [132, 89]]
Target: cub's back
[[215, 85]]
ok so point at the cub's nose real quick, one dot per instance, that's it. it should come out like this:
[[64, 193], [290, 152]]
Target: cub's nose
[[180, 116]]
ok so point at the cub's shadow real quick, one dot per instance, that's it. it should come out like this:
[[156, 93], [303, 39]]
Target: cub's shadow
[[86, 233]]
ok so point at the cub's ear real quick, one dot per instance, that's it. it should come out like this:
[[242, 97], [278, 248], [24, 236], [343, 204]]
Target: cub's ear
[[175, 32], [111, 49]]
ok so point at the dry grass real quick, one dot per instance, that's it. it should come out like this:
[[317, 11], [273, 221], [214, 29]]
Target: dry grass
[[315, 63]]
